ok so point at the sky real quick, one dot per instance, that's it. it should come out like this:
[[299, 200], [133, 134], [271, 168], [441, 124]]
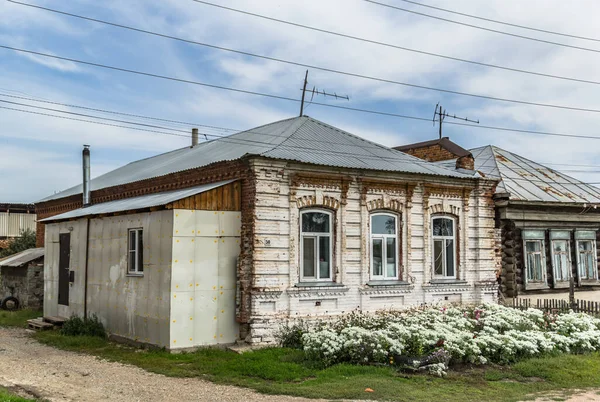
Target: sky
[[41, 155]]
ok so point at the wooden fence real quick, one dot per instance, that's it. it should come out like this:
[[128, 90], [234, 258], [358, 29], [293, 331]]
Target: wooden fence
[[556, 305]]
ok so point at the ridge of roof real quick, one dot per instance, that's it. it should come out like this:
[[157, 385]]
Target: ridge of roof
[[444, 142], [293, 139]]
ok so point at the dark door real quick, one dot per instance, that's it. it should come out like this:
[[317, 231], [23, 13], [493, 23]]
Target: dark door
[[64, 258]]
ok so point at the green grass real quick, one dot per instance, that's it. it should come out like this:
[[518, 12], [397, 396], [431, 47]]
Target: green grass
[[284, 371], [7, 396], [17, 318]]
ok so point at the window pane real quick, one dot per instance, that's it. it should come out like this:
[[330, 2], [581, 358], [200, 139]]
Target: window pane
[[383, 224], [131, 240], [324, 258], [315, 222], [438, 257], [449, 257], [561, 260], [131, 266], [537, 267], [590, 266], [533, 246], [443, 227], [308, 257], [585, 246], [377, 257], [140, 250], [391, 257]]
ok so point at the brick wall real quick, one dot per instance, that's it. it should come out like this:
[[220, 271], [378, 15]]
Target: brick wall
[[433, 153]]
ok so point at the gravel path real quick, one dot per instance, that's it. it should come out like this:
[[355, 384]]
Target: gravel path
[[56, 375]]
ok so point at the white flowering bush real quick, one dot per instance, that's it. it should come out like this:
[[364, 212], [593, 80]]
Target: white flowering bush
[[431, 338]]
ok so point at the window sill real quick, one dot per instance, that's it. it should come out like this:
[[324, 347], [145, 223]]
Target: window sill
[[536, 286], [319, 290], [134, 275], [447, 281], [447, 285]]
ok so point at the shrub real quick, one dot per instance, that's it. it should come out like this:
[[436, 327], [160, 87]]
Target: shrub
[[290, 335], [437, 337], [77, 326]]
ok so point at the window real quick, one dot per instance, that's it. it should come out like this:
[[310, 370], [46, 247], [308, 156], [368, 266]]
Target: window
[[561, 255], [315, 245], [444, 246], [384, 246], [535, 261], [136, 252], [586, 255]]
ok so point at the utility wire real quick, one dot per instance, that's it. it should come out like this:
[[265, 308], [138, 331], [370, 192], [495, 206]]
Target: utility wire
[[276, 96], [295, 63], [483, 28], [119, 113], [506, 129], [95, 117], [90, 121], [501, 22], [388, 44], [228, 139]]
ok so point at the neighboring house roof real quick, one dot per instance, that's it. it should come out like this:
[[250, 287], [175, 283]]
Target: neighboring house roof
[[443, 142], [142, 202], [526, 180], [23, 257], [16, 207], [301, 139]]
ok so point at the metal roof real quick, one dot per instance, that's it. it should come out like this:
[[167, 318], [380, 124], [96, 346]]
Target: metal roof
[[526, 180], [443, 142], [301, 139], [23, 257], [129, 204]]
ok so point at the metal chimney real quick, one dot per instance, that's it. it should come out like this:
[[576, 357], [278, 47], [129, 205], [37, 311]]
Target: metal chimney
[[86, 175], [194, 137]]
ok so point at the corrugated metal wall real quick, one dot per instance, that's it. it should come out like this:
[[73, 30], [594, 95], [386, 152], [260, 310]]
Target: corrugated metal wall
[[12, 224]]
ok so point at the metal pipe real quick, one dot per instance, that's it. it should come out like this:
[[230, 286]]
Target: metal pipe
[[86, 175], [194, 137]]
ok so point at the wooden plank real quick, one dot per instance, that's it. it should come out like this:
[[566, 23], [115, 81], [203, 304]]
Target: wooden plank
[[203, 202], [237, 196], [219, 191], [226, 198]]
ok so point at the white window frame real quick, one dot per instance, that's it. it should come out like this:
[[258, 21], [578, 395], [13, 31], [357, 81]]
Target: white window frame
[[543, 262], [384, 238], [569, 261], [136, 270], [317, 236], [595, 259], [444, 238]]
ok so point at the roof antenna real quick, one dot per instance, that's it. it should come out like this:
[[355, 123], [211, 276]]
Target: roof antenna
[[316, 91], [441, 114]]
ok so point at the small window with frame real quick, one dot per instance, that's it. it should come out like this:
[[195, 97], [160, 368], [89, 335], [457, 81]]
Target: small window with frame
[[444, 246], [587, 264], [384, 246], [535, 257], [135, 265], [316, 236]]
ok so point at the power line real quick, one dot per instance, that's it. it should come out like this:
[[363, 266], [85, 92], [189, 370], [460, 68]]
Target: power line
[[95, 117], [164, 77], [483, 28], [501, 22], [119, 113], [389, 44], [228, 139], [295, 63], [90, 121], [275, 96]]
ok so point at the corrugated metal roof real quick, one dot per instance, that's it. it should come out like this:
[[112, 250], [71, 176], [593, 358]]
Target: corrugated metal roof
[[526, 180], [129, 204], [301, 139], [23, 257]]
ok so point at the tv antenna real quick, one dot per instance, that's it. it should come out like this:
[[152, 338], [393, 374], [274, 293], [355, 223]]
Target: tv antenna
[[318, 92], [440, 114]]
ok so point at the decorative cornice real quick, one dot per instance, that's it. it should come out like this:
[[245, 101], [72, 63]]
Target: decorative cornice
[[266, 294], [446, 287], [380, 203], [445, 191], [444, 208], [317, 291], [319, 180], [386, 290], [487, 286], [311, 201]]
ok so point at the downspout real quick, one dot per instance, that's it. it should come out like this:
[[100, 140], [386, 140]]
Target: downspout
[[86, 203]]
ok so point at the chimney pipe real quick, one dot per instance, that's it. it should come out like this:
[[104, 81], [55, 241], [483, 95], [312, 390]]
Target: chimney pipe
[[194, 137], [86, 175]]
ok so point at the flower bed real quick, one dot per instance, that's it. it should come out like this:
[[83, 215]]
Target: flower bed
[[430, 338]]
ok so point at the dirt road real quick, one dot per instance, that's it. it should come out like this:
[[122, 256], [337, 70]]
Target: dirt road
[[55, 375]]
